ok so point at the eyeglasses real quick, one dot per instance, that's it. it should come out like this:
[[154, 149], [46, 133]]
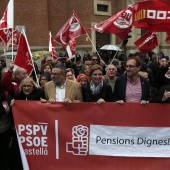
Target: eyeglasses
[[130, 66], [55, 74], [27, 86], [97, 74]]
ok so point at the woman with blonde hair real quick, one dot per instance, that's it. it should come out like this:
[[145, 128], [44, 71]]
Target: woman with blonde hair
[[29, 90], [70, 74]]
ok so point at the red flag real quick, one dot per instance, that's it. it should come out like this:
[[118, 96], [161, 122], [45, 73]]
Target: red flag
[[119, 24], [147, 42], [51, 47], [7, 19], [152, 15], [71, 48], [23, 57], [6, 35], [168, 36], [71, 29]]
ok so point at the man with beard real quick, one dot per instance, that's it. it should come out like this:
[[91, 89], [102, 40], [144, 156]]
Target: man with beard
[[132, 87], [60, 89]]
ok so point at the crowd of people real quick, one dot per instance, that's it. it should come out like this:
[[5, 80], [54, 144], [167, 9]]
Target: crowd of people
[[140, 79]]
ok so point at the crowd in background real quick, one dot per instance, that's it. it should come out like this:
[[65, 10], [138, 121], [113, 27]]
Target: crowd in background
[[136, 78]]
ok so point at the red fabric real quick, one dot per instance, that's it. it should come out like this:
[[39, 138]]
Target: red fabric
[[168, 36], [71, 29], [86, 114], [9, 83], [3, 21], [6, 35], [147, 42], [23, 57], [152, 15], [119, 24]]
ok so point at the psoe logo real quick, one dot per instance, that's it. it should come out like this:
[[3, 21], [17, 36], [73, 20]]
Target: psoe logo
[[79, 144], [124, 20]]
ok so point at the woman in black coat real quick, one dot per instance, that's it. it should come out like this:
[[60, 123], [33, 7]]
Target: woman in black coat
[[96, 90], [29, 90]]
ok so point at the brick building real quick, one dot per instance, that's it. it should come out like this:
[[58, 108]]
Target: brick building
[[38, 17]]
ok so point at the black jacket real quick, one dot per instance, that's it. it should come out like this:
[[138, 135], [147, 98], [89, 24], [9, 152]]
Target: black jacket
[[34, 95], [105, 93], [120, 89], [158, 94]]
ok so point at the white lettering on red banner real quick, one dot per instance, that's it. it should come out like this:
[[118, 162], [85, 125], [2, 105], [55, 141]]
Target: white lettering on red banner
[[34, 136], [152, 14], [125, 20]]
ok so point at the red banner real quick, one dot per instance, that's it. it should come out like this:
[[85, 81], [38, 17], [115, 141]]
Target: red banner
[[47, 132]]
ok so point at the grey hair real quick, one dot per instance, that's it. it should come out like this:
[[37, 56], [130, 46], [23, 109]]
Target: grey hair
[[107, 67]]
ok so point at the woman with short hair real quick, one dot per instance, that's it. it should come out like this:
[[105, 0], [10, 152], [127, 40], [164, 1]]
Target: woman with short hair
[[70, 74], [82, 79], [29, 90], [96, 90]]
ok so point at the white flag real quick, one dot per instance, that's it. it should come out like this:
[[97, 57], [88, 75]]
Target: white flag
[[71, 48], [7, 20]]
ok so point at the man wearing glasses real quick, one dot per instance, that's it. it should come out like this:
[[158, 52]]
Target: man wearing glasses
[[60, 89], [95, 60], [132, 87]]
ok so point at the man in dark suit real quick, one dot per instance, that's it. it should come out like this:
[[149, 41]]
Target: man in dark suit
[[132, 87]]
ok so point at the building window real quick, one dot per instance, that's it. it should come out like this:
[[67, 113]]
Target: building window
[[102, 7]]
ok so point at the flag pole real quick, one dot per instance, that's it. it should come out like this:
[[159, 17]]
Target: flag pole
[[93, 46], [50, 45], [13, 30], [116, 53], [12, 45], [31, 57]]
